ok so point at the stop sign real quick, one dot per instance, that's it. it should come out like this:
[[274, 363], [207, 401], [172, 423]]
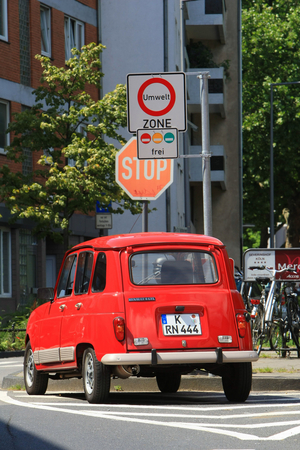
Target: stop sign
[[143, 179]]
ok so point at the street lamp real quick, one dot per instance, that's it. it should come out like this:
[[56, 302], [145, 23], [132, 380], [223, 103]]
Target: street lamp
[[272, 162]]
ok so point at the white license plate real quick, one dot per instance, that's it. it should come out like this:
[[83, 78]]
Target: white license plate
[[181, 324]]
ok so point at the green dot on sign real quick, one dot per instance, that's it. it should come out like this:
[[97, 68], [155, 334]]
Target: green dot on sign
[[169, 138]]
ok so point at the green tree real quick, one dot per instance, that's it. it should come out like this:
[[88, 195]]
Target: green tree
[[66, 125], [271, 54]]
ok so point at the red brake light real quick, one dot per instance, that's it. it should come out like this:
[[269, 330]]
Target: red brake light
[[242, 324], [119, 328]]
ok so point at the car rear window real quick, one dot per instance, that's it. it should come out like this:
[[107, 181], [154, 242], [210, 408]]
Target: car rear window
[[173, 267]]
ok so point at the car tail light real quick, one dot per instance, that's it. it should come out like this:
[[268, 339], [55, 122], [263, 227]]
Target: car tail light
[[255, 301], [242, 324], [119, 328]]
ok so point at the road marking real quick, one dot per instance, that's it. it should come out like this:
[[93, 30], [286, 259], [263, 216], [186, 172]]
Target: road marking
[[216, 428], [11, 364]]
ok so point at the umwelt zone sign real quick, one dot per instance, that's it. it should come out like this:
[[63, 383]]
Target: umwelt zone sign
[[156, 100]]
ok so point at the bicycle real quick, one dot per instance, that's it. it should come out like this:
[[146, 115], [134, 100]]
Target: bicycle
[[286, 326], [264, 329]]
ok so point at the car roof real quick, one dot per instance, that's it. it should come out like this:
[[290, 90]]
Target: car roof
[[149, 238]]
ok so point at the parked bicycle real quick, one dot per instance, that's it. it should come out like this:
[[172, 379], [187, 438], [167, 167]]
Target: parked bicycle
[[266, 328], [286, 322]]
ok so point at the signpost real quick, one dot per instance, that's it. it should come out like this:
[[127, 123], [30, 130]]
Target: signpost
[[156, 101], [142, 179], [280, 258], [155, 144], [103, 221], [156, 111]]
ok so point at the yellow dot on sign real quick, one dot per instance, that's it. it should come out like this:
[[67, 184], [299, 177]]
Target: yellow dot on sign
[[157, 138]]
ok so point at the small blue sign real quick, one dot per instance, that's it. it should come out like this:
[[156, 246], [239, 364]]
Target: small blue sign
[[102, 209]]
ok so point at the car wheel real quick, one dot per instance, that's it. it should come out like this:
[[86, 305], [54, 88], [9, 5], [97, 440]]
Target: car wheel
[[96, 378], [168, 383], [35, 382], [237, 383]]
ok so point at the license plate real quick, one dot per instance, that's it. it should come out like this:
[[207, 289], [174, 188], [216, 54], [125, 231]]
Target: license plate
[[181, 324]]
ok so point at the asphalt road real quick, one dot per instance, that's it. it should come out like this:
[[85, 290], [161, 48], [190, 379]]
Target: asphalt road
[[184, 420]]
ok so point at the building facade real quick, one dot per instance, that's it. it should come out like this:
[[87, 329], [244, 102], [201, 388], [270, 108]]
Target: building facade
[[28, 28], [140, 36], [177, 35]]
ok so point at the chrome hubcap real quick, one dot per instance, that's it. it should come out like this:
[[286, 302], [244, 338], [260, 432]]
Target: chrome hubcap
[[30, 369], [89, 374]]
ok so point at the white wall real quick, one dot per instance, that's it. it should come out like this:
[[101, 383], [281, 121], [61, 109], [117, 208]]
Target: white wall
[[133, 33]]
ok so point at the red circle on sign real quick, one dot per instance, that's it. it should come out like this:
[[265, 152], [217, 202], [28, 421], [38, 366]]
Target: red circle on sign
[[145, 138], [164, 111]]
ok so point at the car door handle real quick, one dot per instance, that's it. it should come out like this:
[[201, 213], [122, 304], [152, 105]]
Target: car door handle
[[62, 307], [78, 305]]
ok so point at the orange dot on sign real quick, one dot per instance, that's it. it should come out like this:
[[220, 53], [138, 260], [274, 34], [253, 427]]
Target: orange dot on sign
[[157, 138]]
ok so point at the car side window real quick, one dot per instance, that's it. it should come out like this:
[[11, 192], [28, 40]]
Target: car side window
[[99, 280], [66, 280], [84, 272]]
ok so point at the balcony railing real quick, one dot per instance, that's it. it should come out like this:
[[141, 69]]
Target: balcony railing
[[217, 165], [216, 91], [206, 20]]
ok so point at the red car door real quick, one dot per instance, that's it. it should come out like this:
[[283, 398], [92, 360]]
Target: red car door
[[50, 324]]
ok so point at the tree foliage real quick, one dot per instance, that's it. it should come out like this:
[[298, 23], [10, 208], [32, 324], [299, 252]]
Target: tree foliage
[[271, 54], [72, 136]]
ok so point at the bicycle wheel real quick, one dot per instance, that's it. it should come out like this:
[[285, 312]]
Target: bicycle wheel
[[257, 328], [276, 337], [293, 322]]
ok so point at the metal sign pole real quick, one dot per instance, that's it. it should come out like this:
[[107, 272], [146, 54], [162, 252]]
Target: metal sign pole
[[145, 217], [207, 205]]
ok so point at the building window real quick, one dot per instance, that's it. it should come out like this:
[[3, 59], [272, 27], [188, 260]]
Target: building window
[[28, 266], [5, 263], [74, 35], [4, 119], [3, 20], [46, 31]]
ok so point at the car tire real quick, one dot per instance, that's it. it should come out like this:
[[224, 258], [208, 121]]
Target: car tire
[[168, 383], [96, 378], [35, 382], [237, 383]]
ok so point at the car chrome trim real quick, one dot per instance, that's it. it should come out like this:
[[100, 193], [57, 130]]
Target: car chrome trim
[[179, 357], [54, 355]]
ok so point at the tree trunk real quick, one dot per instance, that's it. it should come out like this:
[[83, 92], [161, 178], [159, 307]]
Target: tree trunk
[[293, 228]]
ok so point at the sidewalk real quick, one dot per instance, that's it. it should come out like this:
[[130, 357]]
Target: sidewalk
[[270, 373]]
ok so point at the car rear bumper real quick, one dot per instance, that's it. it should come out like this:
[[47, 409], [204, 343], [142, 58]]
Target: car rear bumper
[[205, 357]]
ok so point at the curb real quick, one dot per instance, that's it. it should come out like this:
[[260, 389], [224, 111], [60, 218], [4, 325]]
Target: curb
[[198, 383]]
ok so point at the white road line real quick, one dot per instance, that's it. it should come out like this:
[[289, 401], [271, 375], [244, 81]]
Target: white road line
[[207, 427], [173, 407], [11, 364], [189, 416]]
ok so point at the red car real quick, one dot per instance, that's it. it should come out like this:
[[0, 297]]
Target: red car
[[142, 305]]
